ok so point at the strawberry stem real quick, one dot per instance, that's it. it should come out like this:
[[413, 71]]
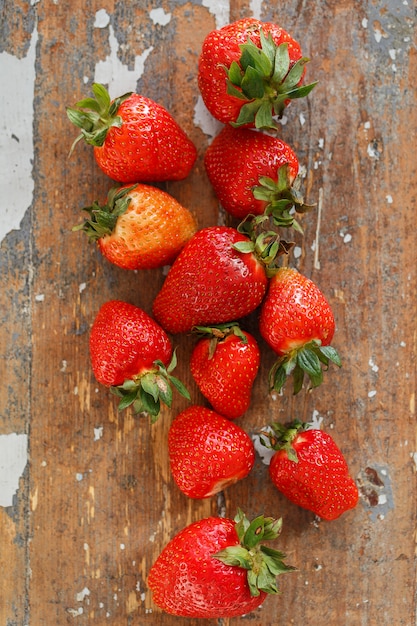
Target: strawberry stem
[[310, 359], [95, 116], [263, 564], [103, 219], [266, 80], [146, 391]]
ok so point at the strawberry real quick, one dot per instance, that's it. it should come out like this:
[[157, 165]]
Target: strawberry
[[140, 227], [248, 71], [252, 172], [217, 567], [207, 452], [135, 139], [211, 281], [310, 470], [298, 324], [224, 363], [132, 354]]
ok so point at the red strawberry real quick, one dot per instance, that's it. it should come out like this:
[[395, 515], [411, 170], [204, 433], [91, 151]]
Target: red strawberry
[[135, 139], [211, 282], [224, 364], [133, 355], [297, 322], [249, 70], [207, 452], [217, 567], [252, 172], [310, 470], [140, 227]]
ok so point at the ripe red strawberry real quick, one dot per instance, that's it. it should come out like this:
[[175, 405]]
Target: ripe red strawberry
[[297, 322], [133, 355], [207, 452], [135, 139], [211, 282], [224, 364], [140, 227], [252, 172], [310, 470], [217, 567], [249, 70]]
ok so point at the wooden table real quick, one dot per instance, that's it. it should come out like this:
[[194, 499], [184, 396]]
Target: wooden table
[[87, 497]]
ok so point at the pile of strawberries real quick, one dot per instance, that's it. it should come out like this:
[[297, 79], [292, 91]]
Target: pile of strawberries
[[248, 73]]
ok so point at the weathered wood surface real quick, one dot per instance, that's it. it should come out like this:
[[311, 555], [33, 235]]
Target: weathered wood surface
[[95, 502]]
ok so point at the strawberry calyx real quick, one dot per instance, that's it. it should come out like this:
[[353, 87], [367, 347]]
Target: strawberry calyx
[[266, 79], [263, 564], [281, 437], [310, 359], [146, 391], [103, 219], [218, 333], [264, 241], [95, 116], [282, 198]]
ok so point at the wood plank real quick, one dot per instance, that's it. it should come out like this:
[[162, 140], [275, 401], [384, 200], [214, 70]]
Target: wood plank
[[97, 503]]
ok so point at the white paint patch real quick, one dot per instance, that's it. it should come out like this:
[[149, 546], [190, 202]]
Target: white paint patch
[[374, 367], [81, 287], [255, 7], [372, 393], [82, 594], [98, 433], [389, 199], [220, 9], [111, 72], [17, 79], [158, 16], [40, 297], [205, 121], [13, 460], [102, 19], [264, 452]]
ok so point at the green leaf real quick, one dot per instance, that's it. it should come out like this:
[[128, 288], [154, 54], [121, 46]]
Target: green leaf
[[244, 246], [332, 354], [282, 63], [263, 117], [232, 91], [253, 85], [180, 387], [294, 75], [127, 400], [247, 113], [234, 555], [234, 74], [308, 360]]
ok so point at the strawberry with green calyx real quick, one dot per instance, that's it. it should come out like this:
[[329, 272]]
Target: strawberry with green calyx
[[253, 173], [249, 71], [132, 354], [134, 138], [140, 227], [215, 278], [207, 452], [310, 470], [298, 324], [224, 363], [218, 568]]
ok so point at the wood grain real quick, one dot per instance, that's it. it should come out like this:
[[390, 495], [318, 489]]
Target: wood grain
[[96, 503]]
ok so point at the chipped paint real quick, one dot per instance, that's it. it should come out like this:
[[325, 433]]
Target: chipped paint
[[158, 16], [17, 78], [205, 121], [13, 460], [220, 9], [113, 73]]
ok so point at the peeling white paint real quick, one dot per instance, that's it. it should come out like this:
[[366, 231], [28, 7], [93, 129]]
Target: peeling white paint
[[255, 7], [17, 79], [102, 19], [205, 121], [374, 367], [98, 433], [118, 77], [80, 597], [158, 16], [13, 460], [220, 9]]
